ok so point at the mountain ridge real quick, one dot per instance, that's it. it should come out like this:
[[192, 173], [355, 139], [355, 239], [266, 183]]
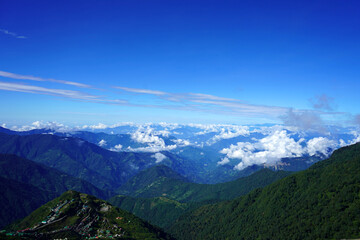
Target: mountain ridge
[[184, 191], [43, 177], [318, 203]]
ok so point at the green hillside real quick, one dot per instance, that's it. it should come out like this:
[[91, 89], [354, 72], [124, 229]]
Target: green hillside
[[148, 177], [75, 215], [159, 211], [161, 181], [43, 177], [160, 195], [17, 200], [322, 202]]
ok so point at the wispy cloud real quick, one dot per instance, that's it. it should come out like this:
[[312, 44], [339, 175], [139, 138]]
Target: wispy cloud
[[15, 35], [196, 102], [175, 96], [39, 79], [20, 87], [208, 103], [210, 97], [142, 91]]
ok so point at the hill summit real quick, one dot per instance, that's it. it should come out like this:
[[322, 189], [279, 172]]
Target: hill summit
[[76, 215]]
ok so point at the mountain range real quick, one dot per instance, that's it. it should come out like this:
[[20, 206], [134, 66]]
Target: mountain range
[[166, 189], [161, 181], [321, 202], [195, 155], [79, 158]]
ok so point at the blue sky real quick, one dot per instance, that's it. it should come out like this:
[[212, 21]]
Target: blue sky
[[241, 62]]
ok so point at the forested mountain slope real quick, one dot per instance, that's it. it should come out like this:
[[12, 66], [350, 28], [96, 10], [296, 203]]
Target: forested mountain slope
[[321, 202]]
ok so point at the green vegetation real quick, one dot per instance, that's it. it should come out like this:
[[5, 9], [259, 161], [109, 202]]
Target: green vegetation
[[161, 181], [159, 211], [148, 177], [160, 195], [319, 203], [79, 216]]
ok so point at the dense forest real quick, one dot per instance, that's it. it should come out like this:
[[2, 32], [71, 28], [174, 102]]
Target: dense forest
[[319, 203]]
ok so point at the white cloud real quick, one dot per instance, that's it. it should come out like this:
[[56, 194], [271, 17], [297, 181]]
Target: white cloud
[[356, 137], [118, 147], [223, 161], [102, 143], [152, 148], [342, 143], [59, 127], [207, 128], [182, 142], [268, 130], [268, 150], [277, 145], [227, 133], [170, 126], [321, 145], [146, 135], [164, 133], [104, 126], [159, 157], [98, 126]]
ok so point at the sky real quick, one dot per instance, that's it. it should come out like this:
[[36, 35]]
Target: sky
[[230, 62]]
